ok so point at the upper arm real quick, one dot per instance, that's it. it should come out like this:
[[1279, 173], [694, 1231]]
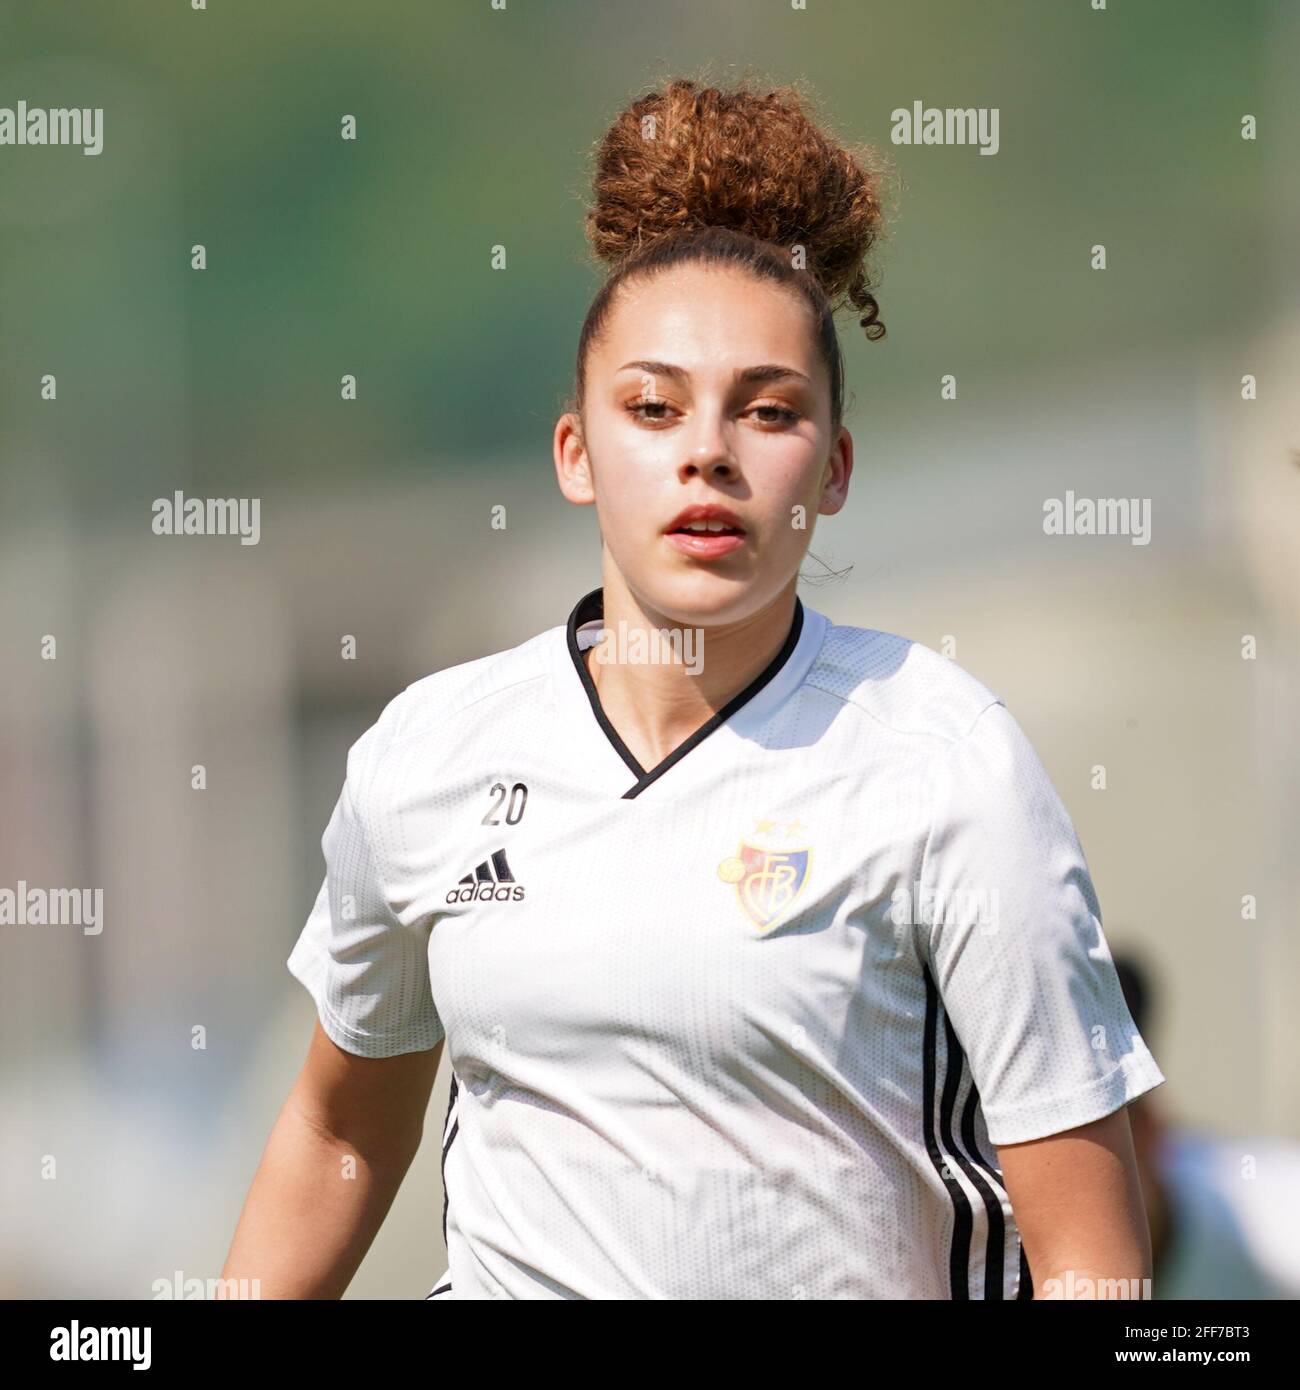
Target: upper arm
[[1016, 945], [376, 1104], [363, 957], [1078, 1203]]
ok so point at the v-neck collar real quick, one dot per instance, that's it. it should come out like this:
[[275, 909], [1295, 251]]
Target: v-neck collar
[[588, 613]]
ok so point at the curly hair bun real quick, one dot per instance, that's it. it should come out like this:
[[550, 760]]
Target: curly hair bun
[[687, 156]]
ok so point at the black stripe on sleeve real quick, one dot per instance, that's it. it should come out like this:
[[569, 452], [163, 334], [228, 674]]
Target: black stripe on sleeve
[[446, 1148], [995, 1251], [959, 1250]]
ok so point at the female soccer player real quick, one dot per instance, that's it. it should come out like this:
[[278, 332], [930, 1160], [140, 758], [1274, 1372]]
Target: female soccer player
[[766, 955]]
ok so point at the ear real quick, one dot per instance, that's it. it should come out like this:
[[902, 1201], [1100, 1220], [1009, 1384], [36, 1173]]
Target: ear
[[572, 465], [836, 474]]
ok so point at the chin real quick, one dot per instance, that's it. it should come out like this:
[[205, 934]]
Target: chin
[[701, 595]]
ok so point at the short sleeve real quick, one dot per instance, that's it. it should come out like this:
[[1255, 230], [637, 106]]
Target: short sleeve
[[1014, 940], [367, 971]]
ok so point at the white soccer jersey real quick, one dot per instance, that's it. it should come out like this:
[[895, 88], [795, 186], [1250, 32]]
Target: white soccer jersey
[[746, 1024]]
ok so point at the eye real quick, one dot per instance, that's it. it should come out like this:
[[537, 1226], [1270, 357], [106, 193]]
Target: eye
[[784, 415], [635, 408]]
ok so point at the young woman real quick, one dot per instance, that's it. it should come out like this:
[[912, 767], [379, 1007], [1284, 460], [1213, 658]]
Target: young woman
[[765, 954]]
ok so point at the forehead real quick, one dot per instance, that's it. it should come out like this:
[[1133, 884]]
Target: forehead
[[709, 318]]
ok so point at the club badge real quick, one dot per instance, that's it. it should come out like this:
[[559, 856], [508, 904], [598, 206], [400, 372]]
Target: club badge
[[767, 881]]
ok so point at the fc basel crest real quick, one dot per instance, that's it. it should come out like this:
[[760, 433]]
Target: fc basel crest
[[767, 880]]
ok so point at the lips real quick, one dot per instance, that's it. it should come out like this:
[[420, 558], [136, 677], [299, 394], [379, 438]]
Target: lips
[[709, 520], [727, 533]]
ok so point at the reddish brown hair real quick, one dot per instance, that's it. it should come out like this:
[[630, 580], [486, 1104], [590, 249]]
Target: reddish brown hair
[[692, 174]]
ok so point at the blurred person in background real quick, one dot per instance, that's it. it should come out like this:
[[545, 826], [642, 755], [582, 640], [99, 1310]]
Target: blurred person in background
[[1224, 1210]]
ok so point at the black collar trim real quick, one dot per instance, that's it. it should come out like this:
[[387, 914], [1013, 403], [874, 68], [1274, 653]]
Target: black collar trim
[[592, 606]]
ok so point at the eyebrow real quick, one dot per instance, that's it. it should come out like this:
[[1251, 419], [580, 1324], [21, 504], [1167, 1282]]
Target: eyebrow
[[764, 371]]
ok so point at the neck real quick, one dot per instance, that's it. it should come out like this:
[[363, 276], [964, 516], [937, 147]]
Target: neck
[[657, 704]]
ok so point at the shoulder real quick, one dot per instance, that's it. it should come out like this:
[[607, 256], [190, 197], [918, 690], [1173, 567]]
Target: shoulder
[[899, 684], [432, 704]]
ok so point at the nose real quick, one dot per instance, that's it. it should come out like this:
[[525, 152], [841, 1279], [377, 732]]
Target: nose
[[709, 454]]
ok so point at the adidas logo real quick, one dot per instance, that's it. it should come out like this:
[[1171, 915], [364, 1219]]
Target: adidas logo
[[492, 881]]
